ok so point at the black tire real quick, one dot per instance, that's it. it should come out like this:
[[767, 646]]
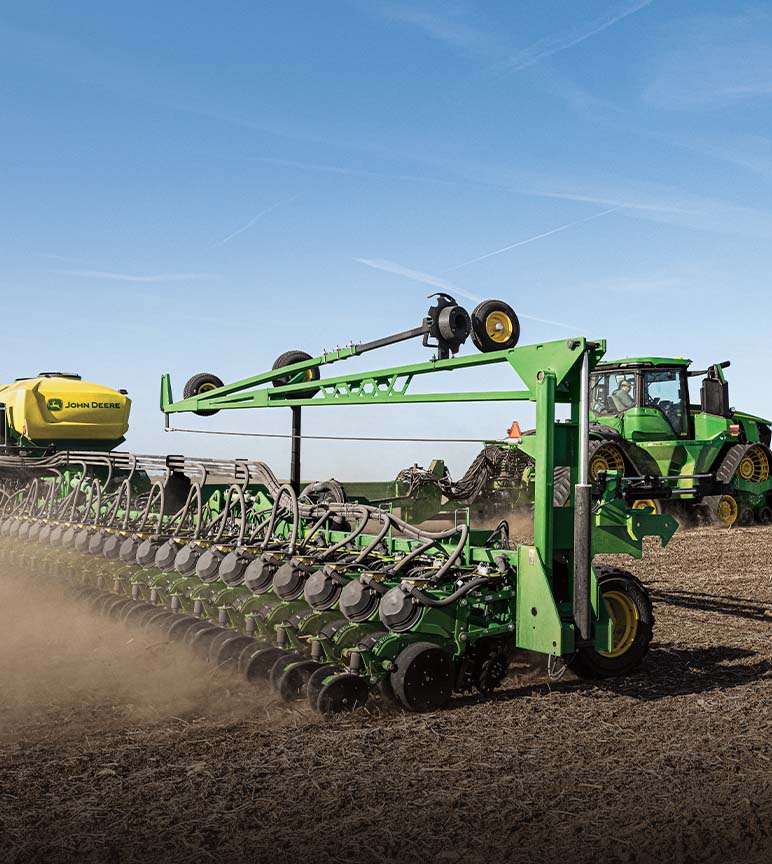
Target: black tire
[[424, 677], [317, 679], [202, 383], [745, 517], [345, 692], [486, 317], [588, 663], [287, 359]]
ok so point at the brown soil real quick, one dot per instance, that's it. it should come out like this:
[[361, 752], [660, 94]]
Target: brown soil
[[115, 749]]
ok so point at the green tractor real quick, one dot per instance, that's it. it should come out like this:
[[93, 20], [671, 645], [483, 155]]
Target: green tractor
[[710, 459]]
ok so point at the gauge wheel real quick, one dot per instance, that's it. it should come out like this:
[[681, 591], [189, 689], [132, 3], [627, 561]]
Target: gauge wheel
[[495, 326], [632, 618], [199, 384], [287, 359]]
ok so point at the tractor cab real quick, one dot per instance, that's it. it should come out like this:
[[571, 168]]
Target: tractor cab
[[648, 398], [644, 398]]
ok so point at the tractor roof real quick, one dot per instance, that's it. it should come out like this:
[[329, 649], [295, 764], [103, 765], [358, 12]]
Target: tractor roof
[[634, 362]]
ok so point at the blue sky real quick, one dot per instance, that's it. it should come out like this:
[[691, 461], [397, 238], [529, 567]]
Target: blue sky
[[201, 186]]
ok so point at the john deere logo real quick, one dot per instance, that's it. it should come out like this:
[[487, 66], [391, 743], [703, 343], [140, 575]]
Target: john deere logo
[[55, 405]]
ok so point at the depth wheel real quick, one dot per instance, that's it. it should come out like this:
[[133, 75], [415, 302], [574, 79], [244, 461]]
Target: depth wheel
[[317, 680], [495, 326], [294, 679], [765, 515], [423, 680], [344, 692], [199, 384], [260, 663], [632, 618], [230, 650], [280, 667]]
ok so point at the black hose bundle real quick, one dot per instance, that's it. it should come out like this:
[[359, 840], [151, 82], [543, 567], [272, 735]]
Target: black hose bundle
[[494, 462]]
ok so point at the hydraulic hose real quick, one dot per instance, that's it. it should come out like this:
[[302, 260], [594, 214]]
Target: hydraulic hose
[[425, 600]]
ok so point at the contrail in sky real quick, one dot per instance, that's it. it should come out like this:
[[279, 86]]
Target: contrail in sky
[[132, 277], [449, 287], [256, 218], [532, 239], [557, 42]]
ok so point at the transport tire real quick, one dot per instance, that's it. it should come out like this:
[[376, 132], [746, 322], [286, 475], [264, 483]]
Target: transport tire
[[495, 326], [201, 383], [633, 619], [424, 677], [287, 359]]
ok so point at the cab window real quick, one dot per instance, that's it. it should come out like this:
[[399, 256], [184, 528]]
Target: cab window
[[612, 392], [663, 389]]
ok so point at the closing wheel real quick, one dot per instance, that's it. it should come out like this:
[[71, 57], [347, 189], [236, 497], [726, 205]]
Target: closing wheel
[[495, 326], [632, 619], [423, 680], [344, 692], [199, 384], [287, 359], [727, 510], [607, 457]]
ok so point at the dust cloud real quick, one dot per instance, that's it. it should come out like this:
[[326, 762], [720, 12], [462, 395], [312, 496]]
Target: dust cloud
[[61, 662]]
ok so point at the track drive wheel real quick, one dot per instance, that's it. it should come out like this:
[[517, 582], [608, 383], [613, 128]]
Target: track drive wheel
[[727, 510], [287, 359], [606, 457], [632, 618], [200, 384], [647, 503], [495, 326], [423, 680]]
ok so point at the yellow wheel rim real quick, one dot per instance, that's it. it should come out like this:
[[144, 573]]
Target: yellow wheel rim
[[205, 388], [624, 619], [498, 325], [754, 467], [644, 503], [727, 510], [606, 458]]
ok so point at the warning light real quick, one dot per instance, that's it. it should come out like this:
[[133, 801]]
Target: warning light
[[734, 429]]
